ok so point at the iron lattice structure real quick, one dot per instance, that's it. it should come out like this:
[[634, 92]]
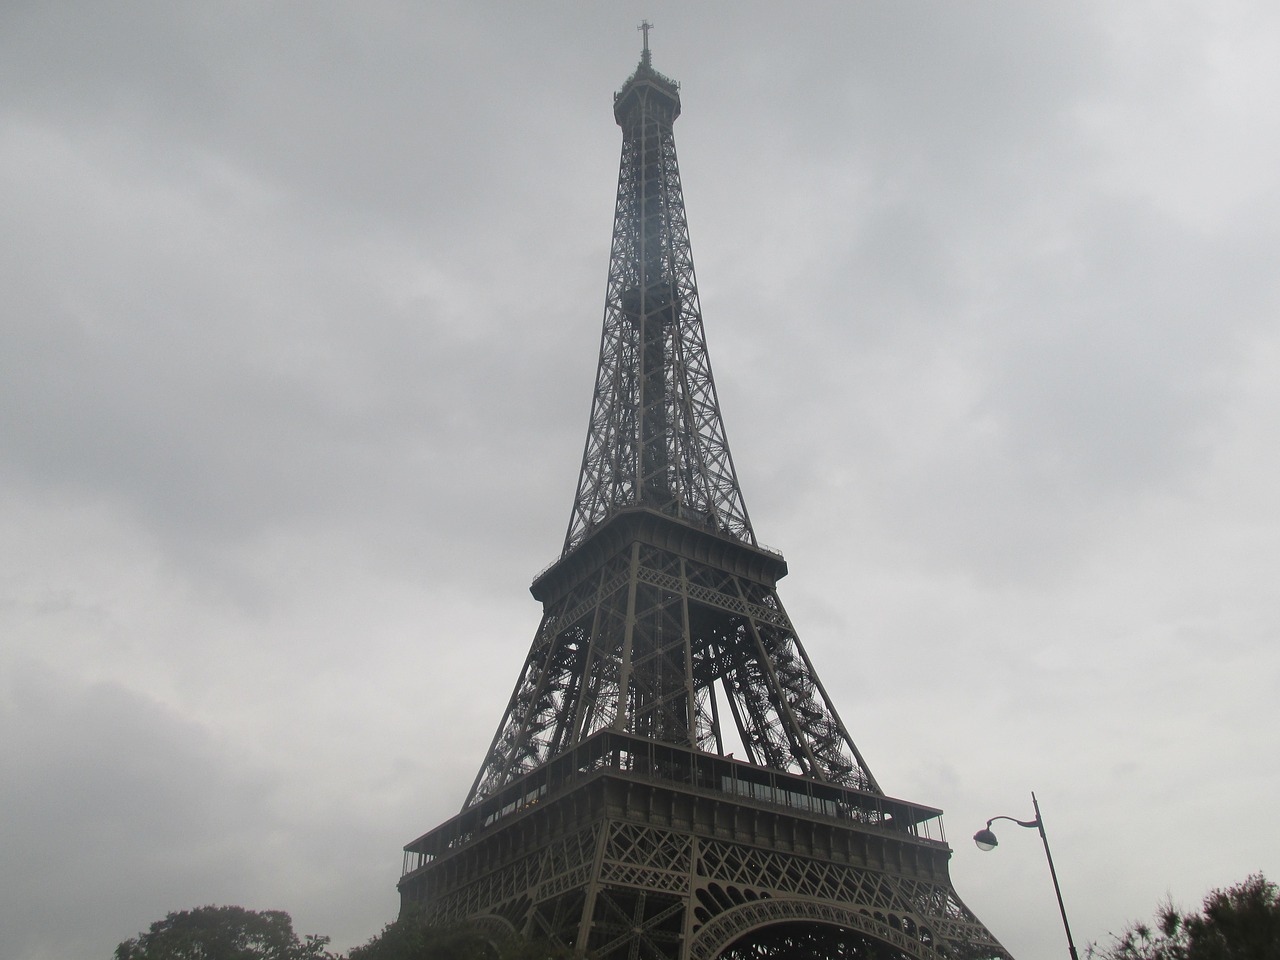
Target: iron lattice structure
[[609, 814], [656, 437]]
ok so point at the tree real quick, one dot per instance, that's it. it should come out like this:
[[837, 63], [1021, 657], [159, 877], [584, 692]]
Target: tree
[[1239, 923], [408, 938], [223, 933]]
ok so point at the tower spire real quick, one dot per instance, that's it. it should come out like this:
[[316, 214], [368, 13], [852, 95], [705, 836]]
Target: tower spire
[[655, 438]]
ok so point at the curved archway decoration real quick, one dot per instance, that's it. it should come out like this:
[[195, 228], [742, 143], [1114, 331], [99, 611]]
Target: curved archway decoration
[[497, 930], [732, 925]]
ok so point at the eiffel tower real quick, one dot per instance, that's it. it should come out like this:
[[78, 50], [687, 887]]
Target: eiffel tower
[[611, 816]]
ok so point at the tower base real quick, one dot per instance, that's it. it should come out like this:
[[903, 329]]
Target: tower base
[[626, 848]]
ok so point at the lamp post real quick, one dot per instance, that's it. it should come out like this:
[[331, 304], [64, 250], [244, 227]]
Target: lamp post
[[986, 840]]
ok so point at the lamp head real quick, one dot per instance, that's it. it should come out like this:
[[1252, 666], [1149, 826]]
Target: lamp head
[[985, 839]]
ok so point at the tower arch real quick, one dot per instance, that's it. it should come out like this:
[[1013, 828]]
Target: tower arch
[[785, 927]]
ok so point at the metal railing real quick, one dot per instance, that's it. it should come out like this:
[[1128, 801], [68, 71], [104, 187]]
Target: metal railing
[[637, 758]]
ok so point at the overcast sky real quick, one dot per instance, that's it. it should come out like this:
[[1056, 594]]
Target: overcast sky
[[300, 321]]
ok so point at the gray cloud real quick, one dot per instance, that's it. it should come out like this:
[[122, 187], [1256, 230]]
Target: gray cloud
[[302, 316]]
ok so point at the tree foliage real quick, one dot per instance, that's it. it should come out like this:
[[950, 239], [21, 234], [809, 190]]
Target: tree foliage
[[1239, 923], [223, 933], [234, 933], [410, 939]]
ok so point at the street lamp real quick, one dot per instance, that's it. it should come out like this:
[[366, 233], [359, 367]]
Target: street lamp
[[986, 840]]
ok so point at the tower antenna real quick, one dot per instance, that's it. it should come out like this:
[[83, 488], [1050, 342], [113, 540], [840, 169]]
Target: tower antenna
[[645, 27]]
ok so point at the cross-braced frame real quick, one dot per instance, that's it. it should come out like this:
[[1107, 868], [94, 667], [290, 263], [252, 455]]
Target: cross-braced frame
[[670, 780]]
